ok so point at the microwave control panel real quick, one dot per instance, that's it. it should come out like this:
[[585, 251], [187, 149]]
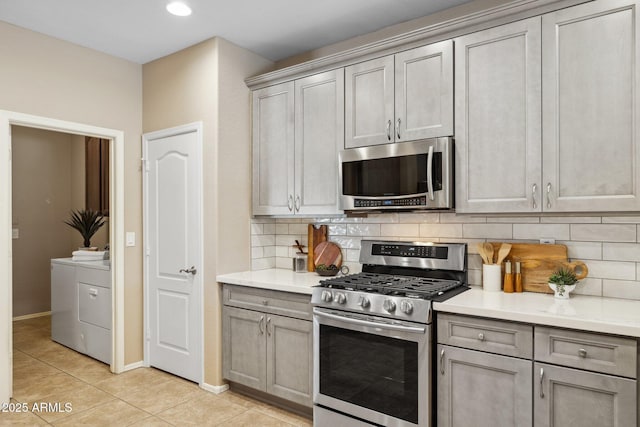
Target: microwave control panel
[[379, 203]]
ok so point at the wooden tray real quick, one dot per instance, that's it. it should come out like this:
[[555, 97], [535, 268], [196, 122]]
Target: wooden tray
[[538, 262], [327, 253]]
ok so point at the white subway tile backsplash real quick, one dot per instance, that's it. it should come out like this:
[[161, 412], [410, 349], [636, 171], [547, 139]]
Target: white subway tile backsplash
[[571, 220], [417, 218], [621, 251], [441, 230], [612, 270], [263, 240], [539, 231], [621, 289], [363, 229], [487, 231], [399, 230], [603, 232], [608, 244], [451, 217], [582, 250]]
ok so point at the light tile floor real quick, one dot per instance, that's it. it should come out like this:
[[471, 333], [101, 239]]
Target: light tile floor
[[45, 372]]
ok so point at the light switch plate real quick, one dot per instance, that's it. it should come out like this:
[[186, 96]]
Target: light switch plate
[[130, 238], [15, 233]]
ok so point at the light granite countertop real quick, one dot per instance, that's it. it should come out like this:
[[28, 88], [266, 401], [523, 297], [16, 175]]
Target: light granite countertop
[[589, 313]]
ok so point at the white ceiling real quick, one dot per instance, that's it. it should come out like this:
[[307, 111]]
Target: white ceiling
[[142, 30]]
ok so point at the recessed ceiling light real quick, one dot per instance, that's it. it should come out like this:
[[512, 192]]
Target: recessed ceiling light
[[178, 8]]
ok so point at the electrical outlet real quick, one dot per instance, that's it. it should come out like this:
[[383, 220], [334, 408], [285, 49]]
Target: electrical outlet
[[15, 233], [130, 238], [547, 241]]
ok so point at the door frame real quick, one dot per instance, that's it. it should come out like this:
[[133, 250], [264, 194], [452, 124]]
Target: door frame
[[196, 127], [116, 234]]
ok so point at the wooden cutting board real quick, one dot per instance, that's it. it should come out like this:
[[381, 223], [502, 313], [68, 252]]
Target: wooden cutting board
[[315, 236], [327, 253], [538, 262]]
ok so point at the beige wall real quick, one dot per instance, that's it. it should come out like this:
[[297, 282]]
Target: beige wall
[[206, 83], [47, 77], [41, 199]]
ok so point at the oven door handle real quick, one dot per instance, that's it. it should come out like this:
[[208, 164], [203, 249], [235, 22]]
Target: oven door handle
[[413, 329]]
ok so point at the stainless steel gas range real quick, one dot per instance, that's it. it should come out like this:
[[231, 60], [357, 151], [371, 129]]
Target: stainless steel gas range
[[373, 334]]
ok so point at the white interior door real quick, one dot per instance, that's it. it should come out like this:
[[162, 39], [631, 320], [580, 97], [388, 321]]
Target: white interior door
[[173, 248]]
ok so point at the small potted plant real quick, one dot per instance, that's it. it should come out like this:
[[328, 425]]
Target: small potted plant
[[563, 281], [87, 222]]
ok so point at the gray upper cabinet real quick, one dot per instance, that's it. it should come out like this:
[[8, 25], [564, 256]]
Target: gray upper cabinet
[[319, 136], [297, 133], [590, 112], [498, 124], [581, 153], [273, 145], [400, 97]]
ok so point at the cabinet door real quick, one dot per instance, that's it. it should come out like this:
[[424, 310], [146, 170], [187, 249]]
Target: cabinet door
[[497, 119], [424, 92], [244, 354], [590, 91], [369, 94], [273, 133], [64, 306], [290, 359], [319, 136], [565, 397], [482, 389]]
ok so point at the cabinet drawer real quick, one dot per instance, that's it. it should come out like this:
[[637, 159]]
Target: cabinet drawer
[[94, 305], [509, 339], [585, 350], [276, 302]]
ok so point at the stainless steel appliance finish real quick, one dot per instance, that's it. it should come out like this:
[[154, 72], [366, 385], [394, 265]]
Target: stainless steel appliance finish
[[372, 333], [402, 176]]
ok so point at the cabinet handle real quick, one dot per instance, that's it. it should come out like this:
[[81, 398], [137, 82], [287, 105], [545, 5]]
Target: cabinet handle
[[582, 353], [548, 195], [398, 129], [481, 336], [442, 362], [261, 325], [290, 202], [541, 377], [297, 204], [534, 190], [268, 324], [389, 130]]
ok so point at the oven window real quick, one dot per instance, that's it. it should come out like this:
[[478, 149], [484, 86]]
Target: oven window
[[392, 176], [371, 371]]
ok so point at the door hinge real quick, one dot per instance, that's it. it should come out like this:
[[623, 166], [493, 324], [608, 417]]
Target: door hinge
[[148, 334], [145, 164]]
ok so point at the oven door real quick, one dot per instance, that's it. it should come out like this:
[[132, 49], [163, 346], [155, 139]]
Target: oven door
[[372, 368]]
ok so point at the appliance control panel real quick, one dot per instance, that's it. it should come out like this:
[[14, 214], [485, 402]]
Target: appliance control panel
[[413, 251], [390, 203]]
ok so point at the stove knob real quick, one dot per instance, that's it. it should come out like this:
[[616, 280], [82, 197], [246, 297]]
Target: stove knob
[[341, 298], [406, 307], [389, 305], [326, 296], [364, 302]]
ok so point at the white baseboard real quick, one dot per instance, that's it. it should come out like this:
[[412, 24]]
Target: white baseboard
[[216, 389], [133, 366], [32, 315]]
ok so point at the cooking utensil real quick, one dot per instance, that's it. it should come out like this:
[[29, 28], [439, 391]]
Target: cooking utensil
[[488, 249], [482, 253], [503, 252], [327, 253], [300, 247], [315, 236]]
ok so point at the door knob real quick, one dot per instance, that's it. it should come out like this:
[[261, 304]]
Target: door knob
[[191, 270]]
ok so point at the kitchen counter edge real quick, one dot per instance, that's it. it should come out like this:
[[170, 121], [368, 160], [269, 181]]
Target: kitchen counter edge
[[275, 279], [588, 313]]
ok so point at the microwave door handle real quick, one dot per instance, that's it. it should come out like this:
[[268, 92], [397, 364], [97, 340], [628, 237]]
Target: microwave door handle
[[430, 172]]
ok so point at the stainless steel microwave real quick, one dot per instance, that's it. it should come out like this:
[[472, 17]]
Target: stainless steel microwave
[[401, 176]]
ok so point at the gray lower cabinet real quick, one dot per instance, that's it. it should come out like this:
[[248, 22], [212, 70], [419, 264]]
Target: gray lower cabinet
[[483, 389], [579, 378], [565, 397], [269, 352]]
